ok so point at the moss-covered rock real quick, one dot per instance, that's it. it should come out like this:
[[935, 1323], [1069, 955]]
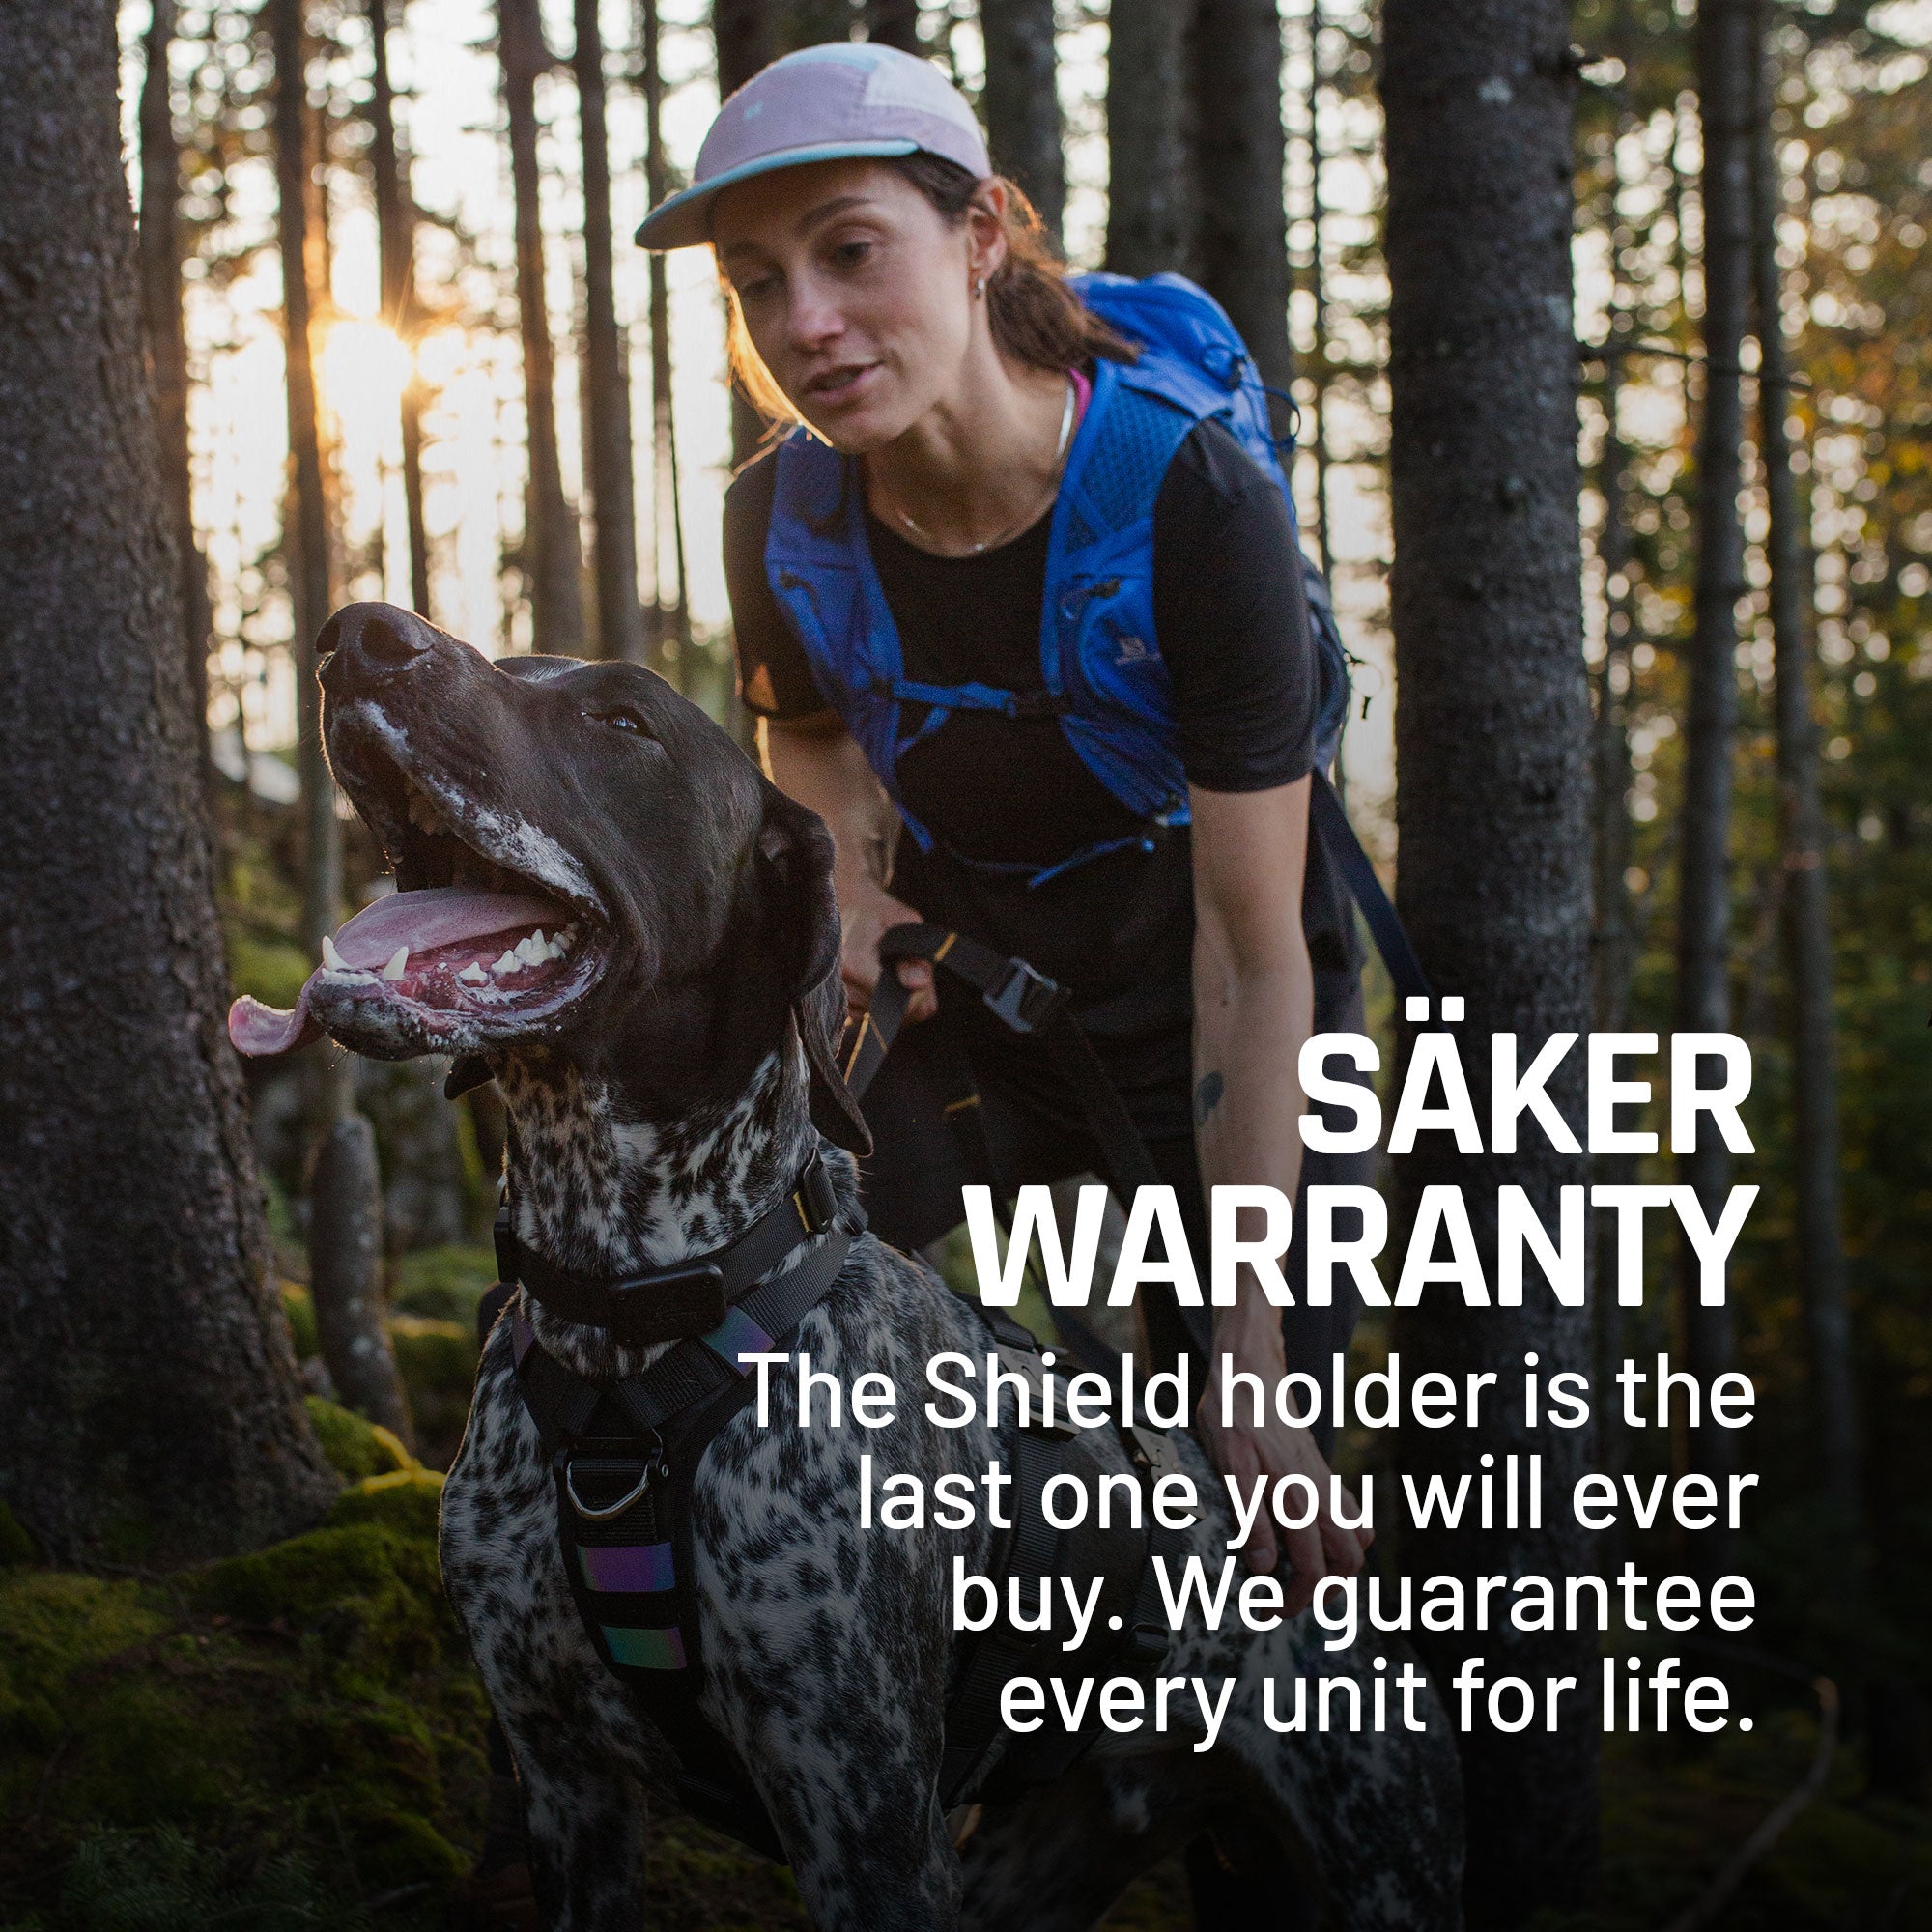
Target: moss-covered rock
[[354, 1446], [311, 1702]]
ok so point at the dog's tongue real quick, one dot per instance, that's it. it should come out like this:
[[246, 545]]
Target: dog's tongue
[[422, 920]]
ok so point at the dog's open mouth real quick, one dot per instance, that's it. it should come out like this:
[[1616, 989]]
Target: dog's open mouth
[[469, 953]]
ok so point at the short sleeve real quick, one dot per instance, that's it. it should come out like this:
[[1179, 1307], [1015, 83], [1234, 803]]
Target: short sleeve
[[774, 675], [1232, 618]]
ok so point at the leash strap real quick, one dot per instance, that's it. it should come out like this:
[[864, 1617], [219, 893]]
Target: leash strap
[[690, 1299], [1028, 1002], [1331, 826]]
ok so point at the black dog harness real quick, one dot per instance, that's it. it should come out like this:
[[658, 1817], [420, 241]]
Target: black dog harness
[[624, 1455]]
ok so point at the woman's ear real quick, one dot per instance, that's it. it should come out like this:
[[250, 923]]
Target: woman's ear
[[802, 935], [986, 231]]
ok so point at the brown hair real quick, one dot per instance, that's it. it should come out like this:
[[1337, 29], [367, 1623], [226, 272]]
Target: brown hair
[[1035, 316]]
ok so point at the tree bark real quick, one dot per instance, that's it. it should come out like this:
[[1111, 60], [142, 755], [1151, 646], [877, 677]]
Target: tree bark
[[1244, 244], [1613, 940], [894, 23], [671, 618], [607, 371], [1021, 103], [1807, 921], [396, 226], [746, 35], [746, 32], [167, 352], [552, 554], [305, 533], [1493, 739], [1726, 65], [1151, 211], [149, 1407], [345, 1257]]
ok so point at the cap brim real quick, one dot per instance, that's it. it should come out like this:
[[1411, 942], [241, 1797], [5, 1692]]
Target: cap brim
[[685, 219]]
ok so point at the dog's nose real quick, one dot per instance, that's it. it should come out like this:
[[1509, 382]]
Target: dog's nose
[[365, 644]]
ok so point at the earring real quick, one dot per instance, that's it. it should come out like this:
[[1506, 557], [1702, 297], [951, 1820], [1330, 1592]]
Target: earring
[[980, 286]]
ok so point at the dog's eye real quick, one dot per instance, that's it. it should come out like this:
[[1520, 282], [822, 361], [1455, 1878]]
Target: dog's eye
[[621, 717]]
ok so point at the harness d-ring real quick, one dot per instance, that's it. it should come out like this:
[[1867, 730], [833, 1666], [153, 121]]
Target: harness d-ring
[[651, 1469]]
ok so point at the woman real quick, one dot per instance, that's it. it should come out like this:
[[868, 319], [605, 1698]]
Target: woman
[[891, 293]]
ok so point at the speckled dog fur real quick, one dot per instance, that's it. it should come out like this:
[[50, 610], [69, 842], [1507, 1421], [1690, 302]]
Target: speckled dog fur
[[656, 1122]]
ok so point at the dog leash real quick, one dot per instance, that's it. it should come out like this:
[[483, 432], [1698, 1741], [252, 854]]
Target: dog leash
[[1030, 1005]]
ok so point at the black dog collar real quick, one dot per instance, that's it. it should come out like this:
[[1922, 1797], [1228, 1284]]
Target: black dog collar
[[689, 1298]]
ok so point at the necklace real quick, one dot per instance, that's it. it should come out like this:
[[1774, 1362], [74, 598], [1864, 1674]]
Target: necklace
[[1019, 524]]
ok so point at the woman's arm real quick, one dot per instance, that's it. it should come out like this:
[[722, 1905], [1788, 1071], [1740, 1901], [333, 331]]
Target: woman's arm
[[1254, 1008], [816, 761]]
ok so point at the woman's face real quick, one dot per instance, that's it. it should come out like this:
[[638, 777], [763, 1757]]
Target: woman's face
[[856, 291]]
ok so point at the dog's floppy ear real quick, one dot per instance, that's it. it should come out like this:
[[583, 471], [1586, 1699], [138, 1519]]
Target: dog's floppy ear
[[795, 856]]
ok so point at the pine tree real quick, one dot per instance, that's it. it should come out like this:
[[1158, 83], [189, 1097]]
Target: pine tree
[[1493, 738], [148, 1405]]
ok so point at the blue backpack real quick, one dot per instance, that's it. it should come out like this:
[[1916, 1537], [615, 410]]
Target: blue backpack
[[1100, 660]]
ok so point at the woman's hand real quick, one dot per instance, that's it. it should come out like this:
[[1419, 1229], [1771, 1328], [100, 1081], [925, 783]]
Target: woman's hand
[[868, 912], [1324, 1548]]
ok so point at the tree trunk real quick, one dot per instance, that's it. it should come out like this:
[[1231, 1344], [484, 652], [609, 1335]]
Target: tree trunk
[[396, 227], [552, 557], [1151, 211], [167, 352], [1807, 925], [1318, 289], [1614, 942], [607, 371], [1493, 738], [345, 1255], [1244, 247], [305, 533], [894, 23], [671, 618], [746, 35], [746, 32], [149, 1407], [1021, 102], [1726, 64]]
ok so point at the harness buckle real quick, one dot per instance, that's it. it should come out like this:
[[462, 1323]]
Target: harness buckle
[[1027, 999], [816, 1198], [611, 1462]]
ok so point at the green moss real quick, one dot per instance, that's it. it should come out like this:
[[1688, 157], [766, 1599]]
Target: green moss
[[354, 1447], [406, 1502], [443, 1284], [209, 1742]]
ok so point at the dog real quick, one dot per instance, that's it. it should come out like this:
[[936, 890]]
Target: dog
[[662, 1019]]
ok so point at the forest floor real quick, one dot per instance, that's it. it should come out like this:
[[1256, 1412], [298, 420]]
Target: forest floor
[[294, 1739]]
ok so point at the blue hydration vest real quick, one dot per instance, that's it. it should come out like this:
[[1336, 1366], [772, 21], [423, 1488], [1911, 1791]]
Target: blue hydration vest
[[1105, 679]]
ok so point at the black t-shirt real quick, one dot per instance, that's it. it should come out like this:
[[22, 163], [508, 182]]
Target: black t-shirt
[[1232, 622]]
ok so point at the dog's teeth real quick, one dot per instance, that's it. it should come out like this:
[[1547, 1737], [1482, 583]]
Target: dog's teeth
[[331, 958], [398, 959], [508, 964], [475, 974], [530, 950]]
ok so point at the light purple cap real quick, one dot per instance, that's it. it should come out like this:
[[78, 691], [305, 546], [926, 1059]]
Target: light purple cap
[[843, 102]]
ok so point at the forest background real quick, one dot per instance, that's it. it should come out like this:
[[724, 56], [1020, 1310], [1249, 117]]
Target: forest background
[[498, 413]]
